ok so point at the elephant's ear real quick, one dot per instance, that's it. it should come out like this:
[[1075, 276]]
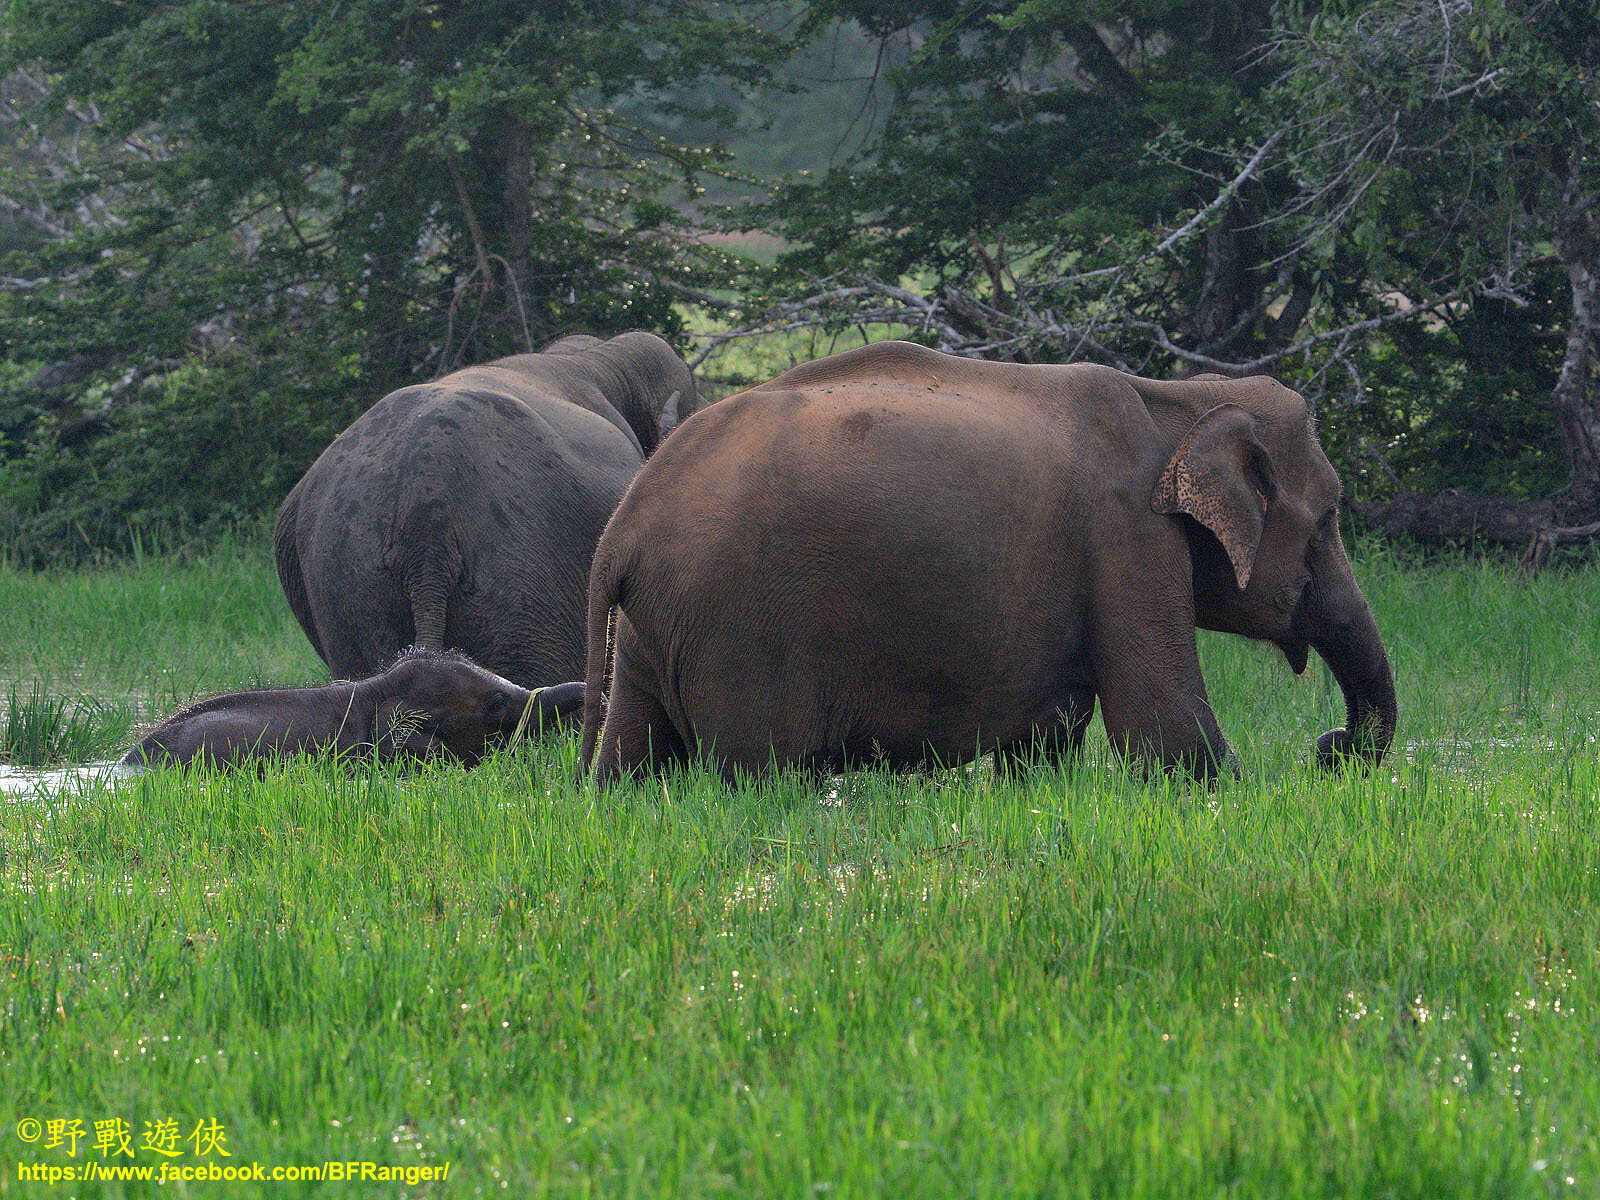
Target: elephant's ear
[[1221, 476], [669, 416]]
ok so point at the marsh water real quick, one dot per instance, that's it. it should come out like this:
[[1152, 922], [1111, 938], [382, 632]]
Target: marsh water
[[23, 782], [26, 782]]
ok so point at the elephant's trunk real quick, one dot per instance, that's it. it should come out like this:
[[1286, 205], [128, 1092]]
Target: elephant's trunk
[[1335, 619]]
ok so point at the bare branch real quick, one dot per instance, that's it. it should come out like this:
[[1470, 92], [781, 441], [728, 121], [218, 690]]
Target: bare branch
[[1343, 333], [1184, 232], [40, 220]]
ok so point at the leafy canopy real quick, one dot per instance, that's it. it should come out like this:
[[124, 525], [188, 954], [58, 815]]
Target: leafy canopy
[[321, 201]]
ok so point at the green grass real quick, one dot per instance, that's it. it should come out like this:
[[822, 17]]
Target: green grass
[[40, 729], [156, 633], [1080, 984]]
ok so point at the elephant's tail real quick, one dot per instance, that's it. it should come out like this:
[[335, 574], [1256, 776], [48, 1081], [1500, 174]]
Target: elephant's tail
[[427, 615], [429, 559], [428, 579], [603, 591]]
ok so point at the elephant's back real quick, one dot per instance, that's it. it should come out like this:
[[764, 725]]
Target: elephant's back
[[469, 450], [882, 550], [909, 460], [487, 501], [428, 424]]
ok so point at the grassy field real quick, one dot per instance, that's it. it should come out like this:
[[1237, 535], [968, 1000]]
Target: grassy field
[[1080, 984]]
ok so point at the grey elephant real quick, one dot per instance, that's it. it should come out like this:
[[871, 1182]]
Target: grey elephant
[[901, 555], [463, 512], [428, 703]]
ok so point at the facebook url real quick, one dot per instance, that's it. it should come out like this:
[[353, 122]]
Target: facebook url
[[211, 1172]]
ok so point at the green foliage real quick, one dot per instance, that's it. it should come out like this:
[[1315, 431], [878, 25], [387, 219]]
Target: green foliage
[[1453, 147], [209, 445], [1179, 187], [1026, 125], [1459, 403], [40, 728], [301, 207], [273, 214]]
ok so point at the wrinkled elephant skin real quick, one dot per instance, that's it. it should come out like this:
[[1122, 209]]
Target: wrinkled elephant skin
[[901, 556], [463, 512], [428, 704]]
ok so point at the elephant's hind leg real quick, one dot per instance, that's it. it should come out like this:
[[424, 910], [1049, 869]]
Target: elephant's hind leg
[[286, 554], [1052, 741], [638, 737]]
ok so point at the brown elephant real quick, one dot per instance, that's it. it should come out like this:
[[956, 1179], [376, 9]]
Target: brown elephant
[[463, 512], [428, 703], [899, 555]]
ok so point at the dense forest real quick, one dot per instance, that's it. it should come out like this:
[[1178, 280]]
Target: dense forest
[[227, 228]]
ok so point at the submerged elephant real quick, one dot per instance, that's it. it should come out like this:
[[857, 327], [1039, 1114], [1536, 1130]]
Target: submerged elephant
[[899, 555], [464, 512], [428, 703]]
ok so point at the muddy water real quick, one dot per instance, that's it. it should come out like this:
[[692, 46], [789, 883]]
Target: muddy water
[[25, 782]]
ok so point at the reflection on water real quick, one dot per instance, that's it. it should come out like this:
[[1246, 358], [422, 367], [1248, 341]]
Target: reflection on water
[[52, 781]]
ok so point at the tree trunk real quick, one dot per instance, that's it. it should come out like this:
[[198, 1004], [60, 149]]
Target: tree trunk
[[1227, 289], [516, 174], [1294, 313], [1100, 63], [1576, 397]]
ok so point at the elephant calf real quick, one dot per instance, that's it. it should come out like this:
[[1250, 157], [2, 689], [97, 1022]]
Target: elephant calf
[[427, 703]]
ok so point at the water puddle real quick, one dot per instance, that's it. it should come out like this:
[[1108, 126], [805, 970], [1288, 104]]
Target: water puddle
[[44, 782], [1450, 749]]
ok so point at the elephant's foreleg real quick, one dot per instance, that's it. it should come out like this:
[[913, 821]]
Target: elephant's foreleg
[[1152, 695]]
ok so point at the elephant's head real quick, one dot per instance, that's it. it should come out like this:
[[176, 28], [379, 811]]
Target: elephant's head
[[663, 385], [1267, 559], [441, 702], [642, 377]]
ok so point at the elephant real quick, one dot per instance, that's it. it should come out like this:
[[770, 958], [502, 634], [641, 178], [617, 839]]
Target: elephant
[[903, 556], [428, 703], [463, 512]]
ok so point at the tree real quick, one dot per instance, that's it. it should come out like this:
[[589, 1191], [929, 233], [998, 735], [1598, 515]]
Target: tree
[[308, 204], [1460, 141], [1062, 178], [1389, 204]]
